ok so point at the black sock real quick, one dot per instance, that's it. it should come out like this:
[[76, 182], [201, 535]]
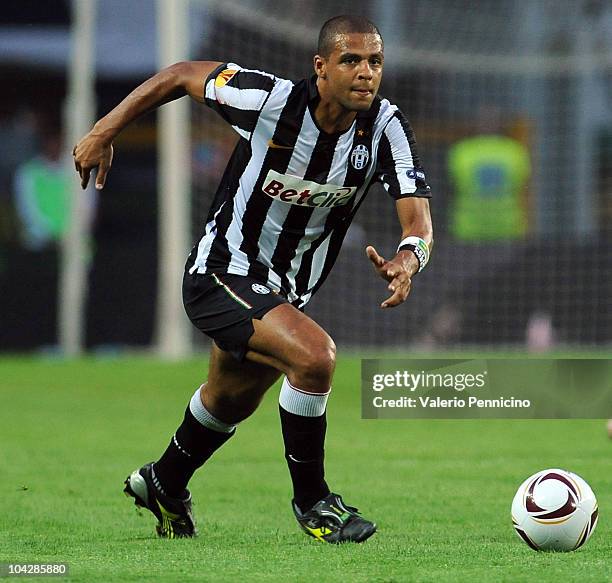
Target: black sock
[[304, 451], [189, 448]]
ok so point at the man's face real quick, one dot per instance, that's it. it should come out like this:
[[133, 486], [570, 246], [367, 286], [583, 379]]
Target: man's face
[[353, 71]]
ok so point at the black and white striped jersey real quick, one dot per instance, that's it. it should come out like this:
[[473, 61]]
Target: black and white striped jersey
[[290, 190]]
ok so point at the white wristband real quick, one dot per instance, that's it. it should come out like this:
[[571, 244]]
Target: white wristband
[[419, 247]]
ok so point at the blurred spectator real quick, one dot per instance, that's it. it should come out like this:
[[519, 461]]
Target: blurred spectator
[[489, 172], [42, 195], [42, 190]]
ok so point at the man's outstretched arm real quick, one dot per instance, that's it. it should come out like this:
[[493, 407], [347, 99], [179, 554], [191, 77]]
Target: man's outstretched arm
[[415, 220], [95, 150]]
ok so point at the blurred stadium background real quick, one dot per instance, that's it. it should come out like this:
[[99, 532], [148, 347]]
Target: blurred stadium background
[[510, 102]]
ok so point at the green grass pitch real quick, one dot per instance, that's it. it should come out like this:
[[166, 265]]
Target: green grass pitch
[[440, 491]]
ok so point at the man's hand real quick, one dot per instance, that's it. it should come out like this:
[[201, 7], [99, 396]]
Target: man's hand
[[93, 152], [397, 272]]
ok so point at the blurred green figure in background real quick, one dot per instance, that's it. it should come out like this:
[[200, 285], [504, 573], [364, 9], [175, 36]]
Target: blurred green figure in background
[[489, 173], [42, 196]]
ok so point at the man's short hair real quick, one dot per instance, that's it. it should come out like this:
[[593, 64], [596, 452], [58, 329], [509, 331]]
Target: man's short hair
[[343, 24]]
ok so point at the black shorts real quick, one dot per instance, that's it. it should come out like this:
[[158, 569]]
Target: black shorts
[[223, 307]]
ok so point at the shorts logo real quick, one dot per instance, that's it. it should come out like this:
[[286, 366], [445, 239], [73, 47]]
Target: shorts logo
[[415, 174], [260, 289], [224, 77], [360, 156], [293, 190]]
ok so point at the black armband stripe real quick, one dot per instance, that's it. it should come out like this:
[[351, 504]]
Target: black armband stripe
[[245, 119], [251, 80]]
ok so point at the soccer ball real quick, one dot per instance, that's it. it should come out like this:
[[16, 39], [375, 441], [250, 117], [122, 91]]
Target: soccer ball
[[554, 510]]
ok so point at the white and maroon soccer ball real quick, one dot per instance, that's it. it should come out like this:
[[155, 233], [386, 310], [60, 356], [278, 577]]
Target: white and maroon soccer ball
[[554, 510]]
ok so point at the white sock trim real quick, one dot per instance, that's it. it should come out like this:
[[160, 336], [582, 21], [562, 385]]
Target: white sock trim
[[300, 402], [205, 417]]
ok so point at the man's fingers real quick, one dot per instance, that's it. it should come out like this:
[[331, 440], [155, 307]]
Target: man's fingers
[[372, 254], [103, 169], [394, 300], [398, 278], [400, 293], [82, 170], [396, 282], [90, 155], [374, 257], [85, 177]]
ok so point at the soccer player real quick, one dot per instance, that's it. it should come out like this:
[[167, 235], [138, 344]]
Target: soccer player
[[307, 155]]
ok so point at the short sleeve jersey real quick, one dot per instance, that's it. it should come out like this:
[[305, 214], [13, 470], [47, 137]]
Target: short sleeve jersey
[[291, 190]]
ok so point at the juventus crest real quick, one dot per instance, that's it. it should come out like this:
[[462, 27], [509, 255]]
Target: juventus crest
[[360, 156]]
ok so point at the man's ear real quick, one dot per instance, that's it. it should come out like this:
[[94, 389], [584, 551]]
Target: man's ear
[[320, 66]]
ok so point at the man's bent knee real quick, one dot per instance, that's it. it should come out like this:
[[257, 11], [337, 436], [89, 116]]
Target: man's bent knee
[[314, 366], [296, 345]]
